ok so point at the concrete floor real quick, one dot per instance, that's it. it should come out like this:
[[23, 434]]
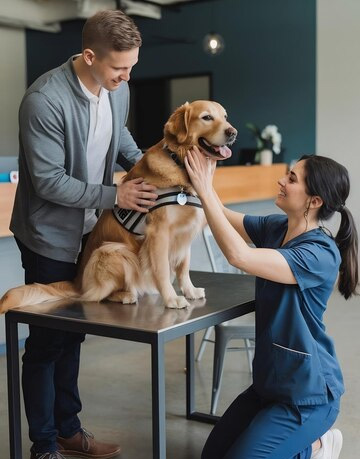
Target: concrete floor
[[115, 389]]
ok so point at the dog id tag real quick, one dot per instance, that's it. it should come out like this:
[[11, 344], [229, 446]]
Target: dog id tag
[[181, 199]]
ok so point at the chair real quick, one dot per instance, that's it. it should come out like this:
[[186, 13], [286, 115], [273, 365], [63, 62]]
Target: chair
[[241, 328]]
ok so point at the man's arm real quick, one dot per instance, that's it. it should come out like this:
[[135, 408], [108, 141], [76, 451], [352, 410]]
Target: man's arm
[[133, 194], [43, 140], [129, 153]]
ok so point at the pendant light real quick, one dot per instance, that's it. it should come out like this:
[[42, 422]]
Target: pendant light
[[213, 43]]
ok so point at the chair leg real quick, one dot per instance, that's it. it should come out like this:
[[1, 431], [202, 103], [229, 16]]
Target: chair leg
[[206, 336], [219, 353], [249, 353]]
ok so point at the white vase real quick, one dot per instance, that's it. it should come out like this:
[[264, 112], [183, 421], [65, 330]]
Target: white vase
[[266, 157]]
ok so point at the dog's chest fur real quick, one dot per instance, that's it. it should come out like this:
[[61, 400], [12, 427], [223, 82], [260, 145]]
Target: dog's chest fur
[[182, 225]]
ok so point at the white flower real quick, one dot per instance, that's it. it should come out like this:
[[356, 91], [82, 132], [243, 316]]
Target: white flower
[[269, 138], [269, 131], [272, 134]]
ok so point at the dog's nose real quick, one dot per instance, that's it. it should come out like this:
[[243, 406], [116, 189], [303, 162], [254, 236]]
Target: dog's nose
[[231, 132]]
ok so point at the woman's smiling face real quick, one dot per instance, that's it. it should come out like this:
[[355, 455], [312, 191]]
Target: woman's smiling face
[[293, 197]]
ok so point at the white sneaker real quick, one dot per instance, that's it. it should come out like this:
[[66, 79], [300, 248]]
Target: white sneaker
[[331, 444]]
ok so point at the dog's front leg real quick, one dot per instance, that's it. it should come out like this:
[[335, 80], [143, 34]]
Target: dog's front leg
[[185, 284], [158, 250]]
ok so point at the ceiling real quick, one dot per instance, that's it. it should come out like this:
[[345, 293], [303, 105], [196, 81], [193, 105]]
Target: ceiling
[[167, 2], [149, 8], [46, 15]]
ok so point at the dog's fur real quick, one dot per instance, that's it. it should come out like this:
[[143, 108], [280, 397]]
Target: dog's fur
[[118, 265]]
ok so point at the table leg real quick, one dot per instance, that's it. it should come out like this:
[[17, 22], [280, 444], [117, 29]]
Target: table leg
[[158, 398], [12, 354], [190, 386]]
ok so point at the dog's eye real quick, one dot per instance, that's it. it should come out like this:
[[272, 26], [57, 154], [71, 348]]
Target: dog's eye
[[207, 118], [226, 117]]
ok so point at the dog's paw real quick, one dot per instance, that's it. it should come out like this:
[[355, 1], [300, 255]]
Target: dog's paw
[[123, 297], [129, 299], [179, 302], [194, 293]]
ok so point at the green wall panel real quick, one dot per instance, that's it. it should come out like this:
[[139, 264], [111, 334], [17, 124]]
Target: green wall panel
[[266, 74]]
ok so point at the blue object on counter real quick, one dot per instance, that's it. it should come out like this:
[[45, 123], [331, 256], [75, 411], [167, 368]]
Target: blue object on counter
[[4, 177]]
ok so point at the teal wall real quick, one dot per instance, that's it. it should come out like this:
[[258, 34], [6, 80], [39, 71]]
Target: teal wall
[[265, 75]]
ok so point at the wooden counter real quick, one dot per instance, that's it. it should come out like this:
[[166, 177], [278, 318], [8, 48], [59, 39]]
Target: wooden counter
[[248, 183], [7, 195], [232, 183]]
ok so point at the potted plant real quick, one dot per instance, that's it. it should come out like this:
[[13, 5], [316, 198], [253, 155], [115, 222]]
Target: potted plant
[[268, 142]]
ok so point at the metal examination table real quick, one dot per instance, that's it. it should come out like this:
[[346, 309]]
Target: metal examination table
[[227, 296]]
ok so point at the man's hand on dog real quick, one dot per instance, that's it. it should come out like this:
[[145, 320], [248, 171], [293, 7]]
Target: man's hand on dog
[[136, 194]]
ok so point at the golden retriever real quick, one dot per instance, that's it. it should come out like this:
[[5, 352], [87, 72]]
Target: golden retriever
[[117, 264]]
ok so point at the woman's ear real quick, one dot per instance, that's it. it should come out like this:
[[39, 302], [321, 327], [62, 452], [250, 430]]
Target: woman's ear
[[178, 124], [316, 202]]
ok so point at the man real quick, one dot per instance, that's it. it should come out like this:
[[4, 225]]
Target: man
[[72, 131]]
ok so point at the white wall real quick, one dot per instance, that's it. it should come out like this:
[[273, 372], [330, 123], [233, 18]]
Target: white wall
[[12, 84], [338, 133], [338, 88], [11, 275]]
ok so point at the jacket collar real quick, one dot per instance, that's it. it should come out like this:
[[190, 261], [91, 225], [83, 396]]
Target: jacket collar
[[69, 71]]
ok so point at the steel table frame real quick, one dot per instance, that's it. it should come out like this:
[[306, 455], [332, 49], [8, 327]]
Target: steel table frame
[[156, 338]]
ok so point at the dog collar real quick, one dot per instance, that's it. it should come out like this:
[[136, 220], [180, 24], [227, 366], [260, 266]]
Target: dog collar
[[174, 157], [134, 221]]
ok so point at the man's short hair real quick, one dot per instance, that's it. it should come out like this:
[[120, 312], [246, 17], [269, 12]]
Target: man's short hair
[[110, 30]]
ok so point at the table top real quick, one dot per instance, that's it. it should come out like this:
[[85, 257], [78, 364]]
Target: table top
[[227, 296]]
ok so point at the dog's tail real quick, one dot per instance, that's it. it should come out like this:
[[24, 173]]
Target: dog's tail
[[35, 294], [112, 267]]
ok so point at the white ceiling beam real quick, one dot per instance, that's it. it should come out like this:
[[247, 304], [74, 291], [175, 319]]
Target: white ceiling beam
[[46, 15]]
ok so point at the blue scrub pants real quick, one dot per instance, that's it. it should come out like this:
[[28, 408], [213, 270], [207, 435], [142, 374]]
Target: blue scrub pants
[[50, 364], [254, 428]]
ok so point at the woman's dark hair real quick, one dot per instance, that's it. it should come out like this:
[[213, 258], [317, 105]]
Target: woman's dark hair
[[328, 179]]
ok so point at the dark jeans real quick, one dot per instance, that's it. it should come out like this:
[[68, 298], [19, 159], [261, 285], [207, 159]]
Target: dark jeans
[[50, 364]]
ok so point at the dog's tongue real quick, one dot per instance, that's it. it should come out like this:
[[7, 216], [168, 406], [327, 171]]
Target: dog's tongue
[[224, 151]]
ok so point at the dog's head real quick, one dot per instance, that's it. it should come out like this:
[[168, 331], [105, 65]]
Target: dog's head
[[201, 123]]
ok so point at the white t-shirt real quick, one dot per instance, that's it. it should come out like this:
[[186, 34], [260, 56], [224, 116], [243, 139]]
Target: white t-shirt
[[99, 138]]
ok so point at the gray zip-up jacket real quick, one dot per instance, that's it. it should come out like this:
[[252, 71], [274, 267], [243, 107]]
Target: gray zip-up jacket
[[52, 193]]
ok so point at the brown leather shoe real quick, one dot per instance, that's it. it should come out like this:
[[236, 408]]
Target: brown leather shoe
[[84, 445]]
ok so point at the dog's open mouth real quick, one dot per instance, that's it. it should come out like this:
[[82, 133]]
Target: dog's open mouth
[[216, 151]]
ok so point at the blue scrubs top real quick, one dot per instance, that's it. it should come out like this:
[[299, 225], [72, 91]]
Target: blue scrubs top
[[295, 361]]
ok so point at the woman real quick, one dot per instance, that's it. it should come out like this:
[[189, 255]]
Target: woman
[[297, 382]]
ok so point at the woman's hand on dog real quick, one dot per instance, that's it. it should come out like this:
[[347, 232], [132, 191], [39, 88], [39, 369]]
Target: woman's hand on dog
[[201, 170], [136, 194]]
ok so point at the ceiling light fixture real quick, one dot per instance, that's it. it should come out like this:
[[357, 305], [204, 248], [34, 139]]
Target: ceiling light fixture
[[213, 43]]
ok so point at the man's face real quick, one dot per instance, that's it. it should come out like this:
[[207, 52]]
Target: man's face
[[113, 67]]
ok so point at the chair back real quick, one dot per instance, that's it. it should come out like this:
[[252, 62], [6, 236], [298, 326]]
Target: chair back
[[219, 263]]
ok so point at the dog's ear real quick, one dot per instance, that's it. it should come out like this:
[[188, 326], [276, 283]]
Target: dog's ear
[[178, 123]]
